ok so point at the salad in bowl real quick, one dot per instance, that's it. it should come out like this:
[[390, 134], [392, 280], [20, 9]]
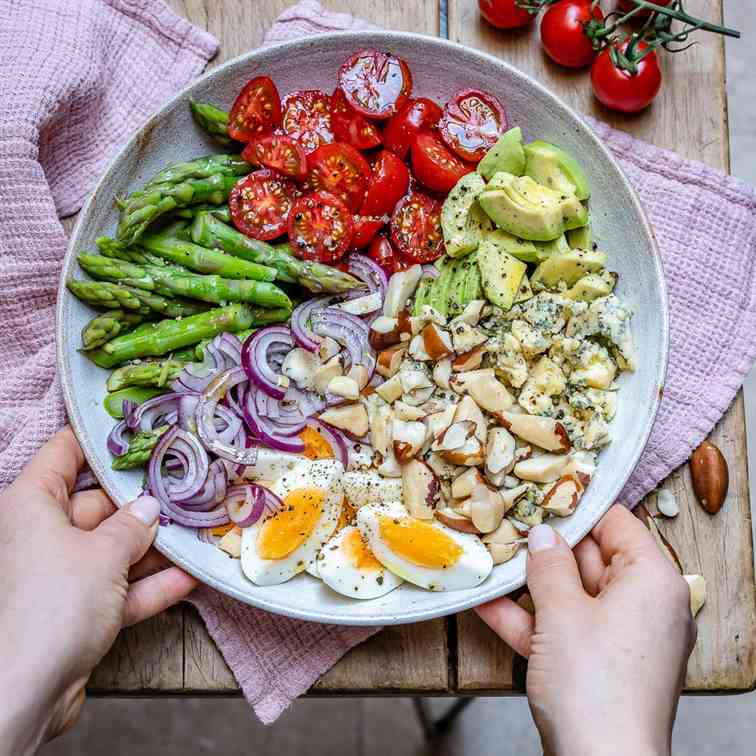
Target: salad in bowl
[[371, 338]]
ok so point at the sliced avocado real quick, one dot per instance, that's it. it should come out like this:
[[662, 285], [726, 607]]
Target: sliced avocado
[[460, 224], [525, 291], [456, 299], [422, 295], [567, 266], [593, 286], [581, 238], [473, 285], [553, 167], [520, 248], [506, 155], [500, 274], [544, 250], [439, 293], [525, 208]]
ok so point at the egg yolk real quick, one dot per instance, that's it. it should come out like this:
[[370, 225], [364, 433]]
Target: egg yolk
[[358, 553], [290, 527], [315, 446], [419, 542], [348, 513]]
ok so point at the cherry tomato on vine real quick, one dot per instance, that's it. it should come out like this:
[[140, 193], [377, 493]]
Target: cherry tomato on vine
[[256, 110], [627, 5], [401, 130], [504, 14], [260, 204], [306, 118], [376, 84], [563, 32], [416, 228], [621, 90], [382, 251], [320, 227], [388, 184], [279, 152], [472, 122], [434, 166], [340, 170]]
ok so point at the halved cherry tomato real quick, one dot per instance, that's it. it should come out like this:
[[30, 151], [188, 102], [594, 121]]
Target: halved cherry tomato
[[388, 184], [376, 84], [434, 166], [260, 204], [351, 127], [402, 129], [563, 32], [504, 14], [386, 256], [416, 228], [365, 228], [619, 89], [340, 170], [279, 152], [256, 110], [320, 227], [471, 123], [306, 117]]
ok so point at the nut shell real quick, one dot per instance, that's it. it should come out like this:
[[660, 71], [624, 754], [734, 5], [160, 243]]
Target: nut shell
[[710, 476]]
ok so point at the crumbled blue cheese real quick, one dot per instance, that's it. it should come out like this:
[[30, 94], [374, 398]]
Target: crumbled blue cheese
[[607, 317]]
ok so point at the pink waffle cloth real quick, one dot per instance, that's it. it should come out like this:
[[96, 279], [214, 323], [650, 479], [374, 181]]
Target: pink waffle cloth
[[78, 78]]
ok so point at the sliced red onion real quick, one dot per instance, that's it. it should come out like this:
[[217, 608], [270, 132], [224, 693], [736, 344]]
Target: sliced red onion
[[212, 519], [247, 503], [160, 410], [430, 271], [300, 318], [349, 331], [368, 271], [205, 417], [86, 479], [255, 358], [267, 430], [281, 417], [212, 493], [117, 441], [227, 424], [335, 439], [194, 377], [186, 412], [195, 464], [224, 350]]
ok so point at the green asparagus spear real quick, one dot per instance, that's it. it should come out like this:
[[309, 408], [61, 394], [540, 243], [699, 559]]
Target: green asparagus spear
[[143, 208], [113, 403], [119, 251], [107, 326], [169, 335], [187, 354], [221, 212], [157, 373], [140, 450], [213, 120], [136, 299], [202, 260], [213, 234], [169, 282], [210, 165]]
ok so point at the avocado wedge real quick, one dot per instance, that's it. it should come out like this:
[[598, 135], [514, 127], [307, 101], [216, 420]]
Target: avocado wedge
[[581, 238], [567, 266], [501, 274], [506, 155], [593, 286], [553, 167], [462, 219]]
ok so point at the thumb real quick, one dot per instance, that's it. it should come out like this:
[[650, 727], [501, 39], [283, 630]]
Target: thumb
[[553, 574], [130, 531]]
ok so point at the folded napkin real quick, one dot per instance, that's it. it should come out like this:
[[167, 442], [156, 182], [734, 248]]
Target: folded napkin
[[79, 78]]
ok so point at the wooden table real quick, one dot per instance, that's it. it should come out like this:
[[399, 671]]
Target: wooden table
[[172, 654]]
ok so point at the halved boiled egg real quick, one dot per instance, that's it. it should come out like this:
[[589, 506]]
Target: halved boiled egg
[[347, 565], [283, 544], [347, 517], [424, 552]]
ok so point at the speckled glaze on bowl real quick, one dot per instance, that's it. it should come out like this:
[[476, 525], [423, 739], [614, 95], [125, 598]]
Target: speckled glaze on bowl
[[439, 69]]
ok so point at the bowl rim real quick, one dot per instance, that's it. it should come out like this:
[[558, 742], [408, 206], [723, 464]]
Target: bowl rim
[[361, 39]]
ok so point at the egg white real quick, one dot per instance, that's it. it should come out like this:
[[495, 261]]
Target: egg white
[[336, 569], [472, 568], [324, 474]]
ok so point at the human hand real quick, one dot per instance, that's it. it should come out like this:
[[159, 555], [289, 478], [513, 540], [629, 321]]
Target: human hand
[[609, 642], [74, 572]]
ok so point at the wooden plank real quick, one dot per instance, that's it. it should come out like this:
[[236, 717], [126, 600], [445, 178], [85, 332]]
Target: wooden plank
[[689, 116]]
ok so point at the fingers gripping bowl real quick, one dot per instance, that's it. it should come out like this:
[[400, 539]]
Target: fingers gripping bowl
[[439, 70]]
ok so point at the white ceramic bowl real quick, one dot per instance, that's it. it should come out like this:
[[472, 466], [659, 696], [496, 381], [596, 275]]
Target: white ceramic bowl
[[439, 69]]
